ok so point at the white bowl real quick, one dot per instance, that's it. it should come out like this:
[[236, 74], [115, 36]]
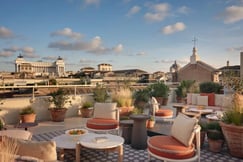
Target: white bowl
[[76, 133]]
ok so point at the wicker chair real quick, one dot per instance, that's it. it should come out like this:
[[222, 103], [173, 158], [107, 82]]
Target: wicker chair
[[179, 146]]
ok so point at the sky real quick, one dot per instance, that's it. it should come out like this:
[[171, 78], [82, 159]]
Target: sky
[[128, 34]]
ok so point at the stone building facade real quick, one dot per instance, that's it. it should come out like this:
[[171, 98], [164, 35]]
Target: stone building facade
[[104, 67], [56, 68], [197, 70]]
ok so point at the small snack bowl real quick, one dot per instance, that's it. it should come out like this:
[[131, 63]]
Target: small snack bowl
[[76, 133]]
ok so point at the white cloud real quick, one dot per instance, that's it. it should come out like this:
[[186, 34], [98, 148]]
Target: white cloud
[[233, 14], [67, 32], [170, 29], [94, 46], [28, 52], [133, 10], [142, 53], [183, 10], [6, 53], [118, 48], [159, 13], [5, 33], [86, 61], [233, 49], [161, 7], [91, 2], [49, 58], [12, 49]]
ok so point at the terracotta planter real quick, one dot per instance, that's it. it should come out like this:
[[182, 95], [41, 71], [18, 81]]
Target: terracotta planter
[[159, 100], [58, 115], [126, 111], [233, 135], [28, 118], [165, 101], [215, 145], [87, 112], [150, 123]]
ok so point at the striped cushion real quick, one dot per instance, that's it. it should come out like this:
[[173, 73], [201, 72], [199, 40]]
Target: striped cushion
[[164, 112], [169, 147], [102, 124]]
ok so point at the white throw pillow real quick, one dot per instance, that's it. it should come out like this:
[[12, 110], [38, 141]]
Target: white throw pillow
[[182, 129], [105, 110], [194, 98], [202, 100], [219, 99]]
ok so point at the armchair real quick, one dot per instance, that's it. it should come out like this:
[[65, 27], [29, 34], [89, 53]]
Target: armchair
[[179, 146], [160, 113], [106, 118]]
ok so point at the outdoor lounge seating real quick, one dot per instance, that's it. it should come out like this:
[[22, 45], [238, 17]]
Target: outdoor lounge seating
[[179, 145], [160, 113], [16, 133], [106, 118]]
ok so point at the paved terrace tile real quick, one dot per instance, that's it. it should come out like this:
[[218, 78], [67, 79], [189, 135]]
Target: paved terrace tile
[[47, 130]]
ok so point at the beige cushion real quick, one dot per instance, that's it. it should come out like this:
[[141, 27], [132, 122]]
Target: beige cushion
[[45, 150], [202, 100], [105, 110], [219, 99], [155, 104], [194, 98], [182, 129], [17, 133]]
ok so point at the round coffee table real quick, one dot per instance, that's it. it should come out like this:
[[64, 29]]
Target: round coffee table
[[105, 142], [64, 142]]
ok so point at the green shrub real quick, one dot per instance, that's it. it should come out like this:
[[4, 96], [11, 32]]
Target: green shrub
[[100, 94], [27, 110], [87, 104], [210, 87]]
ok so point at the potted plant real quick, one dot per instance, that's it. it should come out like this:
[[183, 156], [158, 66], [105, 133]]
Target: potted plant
[[232, 126], [58, 98], [87, 109], [203, 131], [150, 122], [160, 91], [27, 115], [141, 97], [100, 94], [180, 94], [123, 97], [215, 136]]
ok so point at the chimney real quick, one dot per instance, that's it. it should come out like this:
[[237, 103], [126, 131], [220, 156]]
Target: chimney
[[241, 65], [227, 64]]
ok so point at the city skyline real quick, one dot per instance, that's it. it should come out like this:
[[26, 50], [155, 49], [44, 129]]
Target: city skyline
[[128, 34]]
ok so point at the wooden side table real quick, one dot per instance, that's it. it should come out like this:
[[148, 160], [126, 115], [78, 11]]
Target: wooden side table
[[179, 108], [139, 131]]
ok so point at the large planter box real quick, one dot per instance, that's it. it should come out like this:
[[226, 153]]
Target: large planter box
[[233, 135]]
